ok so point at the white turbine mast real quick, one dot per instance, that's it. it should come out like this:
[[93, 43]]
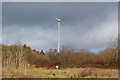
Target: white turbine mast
[[59, 20]]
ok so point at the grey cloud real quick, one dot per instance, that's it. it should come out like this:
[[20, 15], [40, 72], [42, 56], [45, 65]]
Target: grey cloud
[[33, 37], [44, 13], [60, 0]]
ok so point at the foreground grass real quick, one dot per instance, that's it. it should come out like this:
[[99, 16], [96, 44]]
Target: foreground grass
[[60, 73]]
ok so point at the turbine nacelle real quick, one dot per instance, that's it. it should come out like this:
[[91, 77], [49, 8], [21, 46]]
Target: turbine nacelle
[[59, 20]]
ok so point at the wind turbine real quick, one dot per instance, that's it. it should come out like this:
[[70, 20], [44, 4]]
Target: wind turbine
[[59, 20]]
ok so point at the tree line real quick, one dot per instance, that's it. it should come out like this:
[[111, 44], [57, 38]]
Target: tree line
[[20, 55]]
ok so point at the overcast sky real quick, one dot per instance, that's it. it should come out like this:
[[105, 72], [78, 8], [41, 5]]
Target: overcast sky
[[86, 25]]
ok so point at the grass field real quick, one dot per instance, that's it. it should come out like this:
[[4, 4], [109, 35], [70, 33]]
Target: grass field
[[60, 73]]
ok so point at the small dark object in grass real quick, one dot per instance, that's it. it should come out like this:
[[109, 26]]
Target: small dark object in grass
[[53, 74]]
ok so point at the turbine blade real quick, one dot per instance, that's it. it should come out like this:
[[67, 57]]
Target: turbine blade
[[56, 18]]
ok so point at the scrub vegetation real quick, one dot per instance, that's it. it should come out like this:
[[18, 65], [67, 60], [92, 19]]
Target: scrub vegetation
[[21, 61]]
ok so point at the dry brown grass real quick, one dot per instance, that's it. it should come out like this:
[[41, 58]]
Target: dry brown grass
[[94, 73], [61, 73]]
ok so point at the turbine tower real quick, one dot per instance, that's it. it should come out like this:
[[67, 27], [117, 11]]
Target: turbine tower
[[58, 20]]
